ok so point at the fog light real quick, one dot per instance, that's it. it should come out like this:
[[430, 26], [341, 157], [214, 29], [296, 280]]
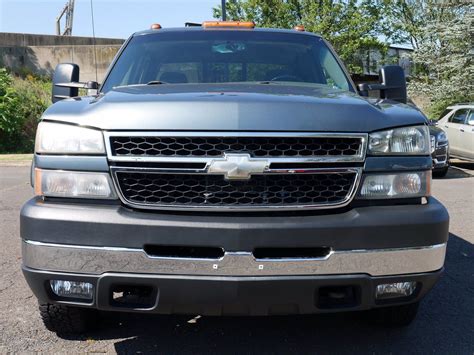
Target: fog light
[[72, 289], [396, 289]]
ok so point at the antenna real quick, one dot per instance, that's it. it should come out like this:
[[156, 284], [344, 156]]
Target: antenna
[[224, 15], [94, 42]]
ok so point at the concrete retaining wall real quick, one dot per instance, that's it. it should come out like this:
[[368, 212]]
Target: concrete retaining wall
[[41, 53]]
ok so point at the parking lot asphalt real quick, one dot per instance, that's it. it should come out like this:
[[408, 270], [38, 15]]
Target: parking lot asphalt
[[445, 323]]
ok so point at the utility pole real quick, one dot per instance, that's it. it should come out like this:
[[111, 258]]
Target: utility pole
[[67, 10], [224, 15]]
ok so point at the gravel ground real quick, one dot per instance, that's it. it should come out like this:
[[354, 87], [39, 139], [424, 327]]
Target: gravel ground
[[445, 323]]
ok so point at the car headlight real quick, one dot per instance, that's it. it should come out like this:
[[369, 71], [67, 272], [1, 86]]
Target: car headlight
[[56, 138], [442, 137], [400, 185], [76, 184], [400, 141]]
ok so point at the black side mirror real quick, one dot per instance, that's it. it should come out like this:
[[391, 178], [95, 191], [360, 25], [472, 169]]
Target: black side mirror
[[393, 78], [64, 74], [392, 84], [66, 82]]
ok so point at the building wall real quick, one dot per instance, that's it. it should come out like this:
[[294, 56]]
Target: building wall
[[41, 53]]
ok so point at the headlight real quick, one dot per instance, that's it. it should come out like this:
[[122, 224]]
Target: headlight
[[77, 184], [56, 138], [442, 137], [400, 185], [400, 141]]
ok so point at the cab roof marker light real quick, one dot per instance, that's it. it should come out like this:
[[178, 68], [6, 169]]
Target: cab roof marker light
[[244, 24], [299, 28], [155, 26]]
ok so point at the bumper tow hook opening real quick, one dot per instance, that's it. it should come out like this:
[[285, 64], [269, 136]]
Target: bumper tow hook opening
[[338, 297], [132, 296]]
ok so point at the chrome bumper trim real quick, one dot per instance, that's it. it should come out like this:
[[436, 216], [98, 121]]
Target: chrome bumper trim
[[99, 260], [436, 161]]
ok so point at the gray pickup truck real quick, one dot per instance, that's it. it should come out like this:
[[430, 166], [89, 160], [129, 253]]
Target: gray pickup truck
[[230, 170]]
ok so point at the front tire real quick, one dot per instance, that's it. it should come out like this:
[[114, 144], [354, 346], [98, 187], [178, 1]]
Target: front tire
[[395, 316], [63, 319]]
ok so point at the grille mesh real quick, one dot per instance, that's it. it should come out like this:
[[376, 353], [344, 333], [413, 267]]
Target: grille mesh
[[201, 190], [216, 146]]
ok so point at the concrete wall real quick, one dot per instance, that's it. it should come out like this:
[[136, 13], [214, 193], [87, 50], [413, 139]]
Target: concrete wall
[[41, 53]]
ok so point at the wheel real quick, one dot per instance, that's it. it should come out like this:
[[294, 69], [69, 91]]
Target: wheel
[[395, 316], [441, 172], [66, 319]]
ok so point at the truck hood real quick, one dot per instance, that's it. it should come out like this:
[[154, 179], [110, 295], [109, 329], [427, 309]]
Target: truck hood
[[233, 107]]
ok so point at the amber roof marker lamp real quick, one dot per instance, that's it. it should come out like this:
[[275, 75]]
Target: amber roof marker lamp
[[228, 24], [155, 26], [299, 28]]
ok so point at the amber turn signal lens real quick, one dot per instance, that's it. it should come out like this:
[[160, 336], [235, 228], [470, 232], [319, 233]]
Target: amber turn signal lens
[[38, 189], [248, 24]]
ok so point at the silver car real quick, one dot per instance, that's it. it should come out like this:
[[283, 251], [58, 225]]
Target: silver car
[[458, 123]]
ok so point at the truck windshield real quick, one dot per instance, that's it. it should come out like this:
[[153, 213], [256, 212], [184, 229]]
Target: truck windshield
[[226, 56]]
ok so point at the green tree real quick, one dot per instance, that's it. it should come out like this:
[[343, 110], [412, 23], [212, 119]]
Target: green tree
[[403, 19], [444, 60], [351, 26]]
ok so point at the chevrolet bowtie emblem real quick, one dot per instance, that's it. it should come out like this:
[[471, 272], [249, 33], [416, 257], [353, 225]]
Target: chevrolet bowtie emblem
[[237, 166]]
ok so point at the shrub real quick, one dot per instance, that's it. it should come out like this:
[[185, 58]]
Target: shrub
[[8, 102], [22, 101]]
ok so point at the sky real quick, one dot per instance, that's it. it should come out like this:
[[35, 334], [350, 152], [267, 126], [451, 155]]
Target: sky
[[113, 18]]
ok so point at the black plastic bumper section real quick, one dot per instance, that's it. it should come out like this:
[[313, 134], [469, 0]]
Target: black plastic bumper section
[[230, 295], [376, 227]]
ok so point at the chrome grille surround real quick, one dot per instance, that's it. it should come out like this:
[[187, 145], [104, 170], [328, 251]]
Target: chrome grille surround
[[180, 165]]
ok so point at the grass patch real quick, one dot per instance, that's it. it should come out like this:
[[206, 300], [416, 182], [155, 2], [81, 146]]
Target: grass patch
[[16, 158]]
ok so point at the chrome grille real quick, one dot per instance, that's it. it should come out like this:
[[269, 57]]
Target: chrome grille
[[203, 190], [153, 146], [218, 171]]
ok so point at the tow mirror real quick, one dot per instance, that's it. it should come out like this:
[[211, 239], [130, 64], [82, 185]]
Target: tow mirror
[[392, 84], [65, 73], [66, 82]]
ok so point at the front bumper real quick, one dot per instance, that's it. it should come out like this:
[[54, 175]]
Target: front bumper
[[440, 156], [105, 245]]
